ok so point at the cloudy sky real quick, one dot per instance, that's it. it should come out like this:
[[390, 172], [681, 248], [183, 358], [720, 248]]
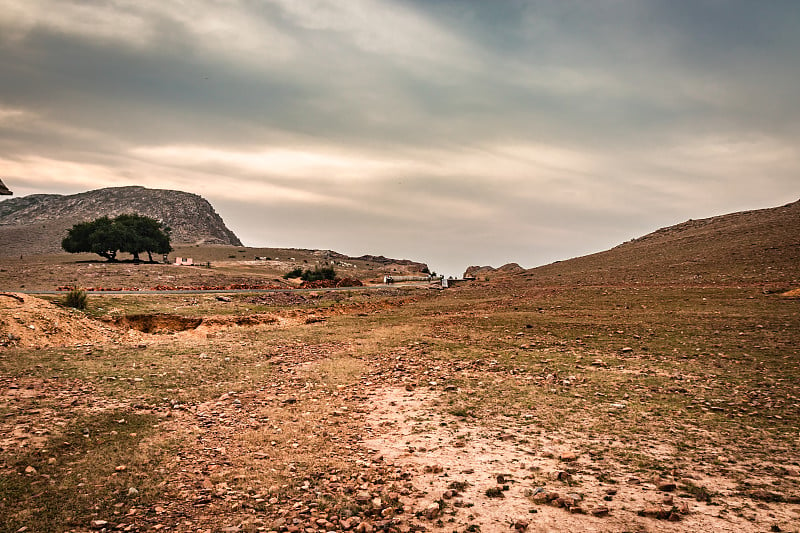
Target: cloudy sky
[[455, 132]]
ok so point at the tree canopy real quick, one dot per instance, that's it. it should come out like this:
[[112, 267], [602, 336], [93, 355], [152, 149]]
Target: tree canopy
[[129, 233]]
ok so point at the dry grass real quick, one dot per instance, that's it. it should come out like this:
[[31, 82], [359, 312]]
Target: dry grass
[[644, 380]]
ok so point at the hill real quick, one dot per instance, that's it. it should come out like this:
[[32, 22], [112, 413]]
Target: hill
[[749, 247], [36, 224]]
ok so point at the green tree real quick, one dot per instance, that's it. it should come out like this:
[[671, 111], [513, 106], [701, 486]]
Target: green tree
[[128, 233], [144, 234]]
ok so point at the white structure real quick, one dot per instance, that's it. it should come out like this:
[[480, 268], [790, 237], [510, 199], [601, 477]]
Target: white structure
[[396, 279]]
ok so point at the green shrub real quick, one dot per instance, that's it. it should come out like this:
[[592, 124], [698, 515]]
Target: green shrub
[[296, 273], [76, 298], [319, 274], [312, 275]]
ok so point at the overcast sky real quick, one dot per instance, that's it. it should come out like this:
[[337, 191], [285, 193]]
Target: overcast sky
[[454, 132]]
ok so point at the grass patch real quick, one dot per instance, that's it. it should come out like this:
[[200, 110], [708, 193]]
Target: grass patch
[[82, 474]]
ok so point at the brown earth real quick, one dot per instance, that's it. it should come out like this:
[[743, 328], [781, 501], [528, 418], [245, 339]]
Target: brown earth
[[652, 403], [27, 321], [361, 419]]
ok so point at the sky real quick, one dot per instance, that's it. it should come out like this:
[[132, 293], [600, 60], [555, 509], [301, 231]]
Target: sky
[[454, 132]]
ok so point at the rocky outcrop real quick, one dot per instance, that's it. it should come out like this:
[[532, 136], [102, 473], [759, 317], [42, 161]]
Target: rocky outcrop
[[484, 272], [37, 223]]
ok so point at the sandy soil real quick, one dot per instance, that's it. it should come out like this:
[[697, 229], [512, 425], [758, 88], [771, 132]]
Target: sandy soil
[[411, 430]]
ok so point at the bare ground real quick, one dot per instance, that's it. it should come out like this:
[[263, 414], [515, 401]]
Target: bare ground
[[475, 410]]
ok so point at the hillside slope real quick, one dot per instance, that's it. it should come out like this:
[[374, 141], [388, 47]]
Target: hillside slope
[[37, 223], [761, 247]]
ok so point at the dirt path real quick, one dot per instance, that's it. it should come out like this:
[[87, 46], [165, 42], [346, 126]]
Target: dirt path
[[470, 477]]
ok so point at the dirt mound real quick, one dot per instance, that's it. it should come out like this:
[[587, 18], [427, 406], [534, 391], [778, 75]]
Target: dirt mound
[[27, 321]]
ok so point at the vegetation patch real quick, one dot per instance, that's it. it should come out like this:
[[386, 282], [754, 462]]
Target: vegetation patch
[[101, 465]]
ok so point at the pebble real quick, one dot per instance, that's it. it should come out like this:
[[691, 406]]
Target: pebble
[[568, 457], [432, 511], [665, 485], [600, 511]]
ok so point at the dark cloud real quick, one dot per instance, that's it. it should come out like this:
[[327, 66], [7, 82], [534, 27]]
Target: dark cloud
[[451, 131]]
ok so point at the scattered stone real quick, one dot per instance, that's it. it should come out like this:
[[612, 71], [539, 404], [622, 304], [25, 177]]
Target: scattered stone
[[660, 513], [521, 525], [599, 511], [99, 524], [30, 470], [665, 485], [568, 457], [432, 511], [495, 492], [365, 527], [545, 497]]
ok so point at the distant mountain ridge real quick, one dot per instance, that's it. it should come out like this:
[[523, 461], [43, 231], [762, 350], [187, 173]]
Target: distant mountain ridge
[[749, 247], [37, 223]]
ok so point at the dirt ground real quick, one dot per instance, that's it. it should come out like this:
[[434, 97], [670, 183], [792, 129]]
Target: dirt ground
[[483, 408]]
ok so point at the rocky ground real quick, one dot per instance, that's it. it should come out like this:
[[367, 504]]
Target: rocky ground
[[480, 409]]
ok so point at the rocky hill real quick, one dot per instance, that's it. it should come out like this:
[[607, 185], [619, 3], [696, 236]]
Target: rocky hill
[[750, 247], [37, 223]]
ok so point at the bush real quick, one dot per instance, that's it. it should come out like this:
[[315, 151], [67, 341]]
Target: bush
[[319, 274], [296, 273], [76, 298]]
